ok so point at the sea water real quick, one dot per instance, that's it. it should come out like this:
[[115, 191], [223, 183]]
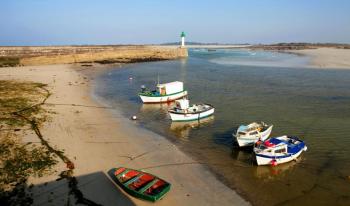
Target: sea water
[[246, 86]]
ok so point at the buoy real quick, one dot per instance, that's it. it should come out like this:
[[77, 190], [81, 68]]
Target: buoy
[[273, 163], [134, 117], [70, 165]]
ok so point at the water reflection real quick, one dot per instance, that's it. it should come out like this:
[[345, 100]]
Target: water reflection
[[182, 129], [268, 173], [156, 111], [243, 155], [163, 108], [183, 69]]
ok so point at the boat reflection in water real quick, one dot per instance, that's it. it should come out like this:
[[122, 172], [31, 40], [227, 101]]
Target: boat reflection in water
[[182, 129], [244, 155], [158, 111], [268, 173]]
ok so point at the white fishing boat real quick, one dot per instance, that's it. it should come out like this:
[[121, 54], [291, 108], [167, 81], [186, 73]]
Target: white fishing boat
[[278, 150], [247, 135], [164, 93], [183, 112]]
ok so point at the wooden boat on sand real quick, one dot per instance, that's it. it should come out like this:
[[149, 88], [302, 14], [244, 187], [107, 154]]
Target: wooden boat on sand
[[140, 184]]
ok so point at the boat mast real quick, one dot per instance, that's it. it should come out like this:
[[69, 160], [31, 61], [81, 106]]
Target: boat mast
[[158, 79]]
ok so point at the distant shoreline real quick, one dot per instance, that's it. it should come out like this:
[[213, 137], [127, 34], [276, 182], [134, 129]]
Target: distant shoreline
[[323, 55], [49, 55], [327, 58]]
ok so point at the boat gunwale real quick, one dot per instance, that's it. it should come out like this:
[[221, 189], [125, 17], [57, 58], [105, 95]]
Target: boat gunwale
[[137, 194], [195, 119], [197, 112], [150, 94], [251, 137], [250, 129]]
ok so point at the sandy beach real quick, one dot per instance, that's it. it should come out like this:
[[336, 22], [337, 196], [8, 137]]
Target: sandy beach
[[327, 57], [97, 138]]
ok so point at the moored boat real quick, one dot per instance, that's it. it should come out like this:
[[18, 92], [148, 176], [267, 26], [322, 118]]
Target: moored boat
[[140, 184], [183, 112], [166, 92], [247, 135], [278, 150]]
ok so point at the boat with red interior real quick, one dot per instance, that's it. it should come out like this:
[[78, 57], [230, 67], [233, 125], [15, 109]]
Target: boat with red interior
[[140, 184]]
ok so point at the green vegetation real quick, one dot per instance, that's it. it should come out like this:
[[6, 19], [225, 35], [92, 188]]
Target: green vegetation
[[9, 61], [20, 110], [20, 97]]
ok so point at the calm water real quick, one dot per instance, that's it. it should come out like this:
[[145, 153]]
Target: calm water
[[247, 86]]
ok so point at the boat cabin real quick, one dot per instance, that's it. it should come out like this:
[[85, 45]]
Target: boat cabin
[[250, 130], [182, 104], [170, 88], [248, 133], [273, 147]]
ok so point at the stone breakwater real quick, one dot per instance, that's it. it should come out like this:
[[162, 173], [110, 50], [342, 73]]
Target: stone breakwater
[[27, 56]]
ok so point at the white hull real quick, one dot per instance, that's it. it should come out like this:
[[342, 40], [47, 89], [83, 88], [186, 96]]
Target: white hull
[[251, 140], [279, 160], [191, 117], [160, 99]]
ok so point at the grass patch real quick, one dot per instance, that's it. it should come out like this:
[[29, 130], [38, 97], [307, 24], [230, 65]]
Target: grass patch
[[17, 96], [9, 61], [20, 102]]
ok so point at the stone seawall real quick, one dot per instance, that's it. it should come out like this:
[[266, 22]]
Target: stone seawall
[[26, 56]]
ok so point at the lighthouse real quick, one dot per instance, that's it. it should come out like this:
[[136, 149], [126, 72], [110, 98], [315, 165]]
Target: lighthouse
[[183, 39]]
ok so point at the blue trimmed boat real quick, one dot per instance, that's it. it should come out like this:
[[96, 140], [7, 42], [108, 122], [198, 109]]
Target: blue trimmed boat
[[248, 135], [140, 184], [278, 150]]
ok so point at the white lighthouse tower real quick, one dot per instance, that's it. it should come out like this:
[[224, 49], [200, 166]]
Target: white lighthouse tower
[[183, 39]]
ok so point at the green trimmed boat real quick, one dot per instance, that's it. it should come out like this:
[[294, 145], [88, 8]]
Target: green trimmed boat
[[164, 93], [140, 184]]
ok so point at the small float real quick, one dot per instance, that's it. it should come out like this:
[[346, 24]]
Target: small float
[[247, 135], [166, 92], [183, 112], [140, 184], [278, 150]]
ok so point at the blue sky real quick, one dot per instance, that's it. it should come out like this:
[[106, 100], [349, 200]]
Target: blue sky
[[59, 22]]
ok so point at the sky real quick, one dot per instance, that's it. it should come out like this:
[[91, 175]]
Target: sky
[[77, 22]]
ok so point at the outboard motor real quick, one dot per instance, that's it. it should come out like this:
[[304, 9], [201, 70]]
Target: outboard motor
[[143, 88]]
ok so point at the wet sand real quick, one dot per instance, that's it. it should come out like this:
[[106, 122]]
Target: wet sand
[[327, 57], [97, 138]]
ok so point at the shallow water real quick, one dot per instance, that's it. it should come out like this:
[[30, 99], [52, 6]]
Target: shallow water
[[246, 86]]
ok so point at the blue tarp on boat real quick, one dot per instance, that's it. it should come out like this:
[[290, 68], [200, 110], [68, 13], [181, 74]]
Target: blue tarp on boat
[[242, 128]]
